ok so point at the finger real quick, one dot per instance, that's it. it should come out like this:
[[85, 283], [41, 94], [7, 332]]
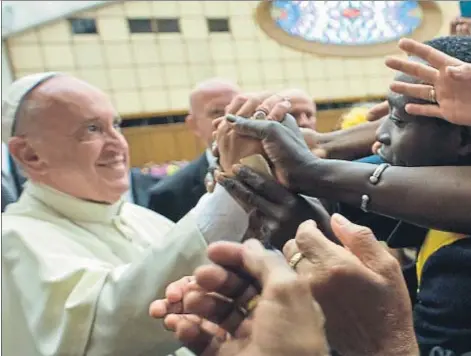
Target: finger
[[320, 152], [376, 146], [224, 253], [420, 91], [217, 122], [262, 185], [360, 240], [279, 111], [250, 198], [175, 291], [312, 243], [249, 107], [378, 111], [265, 265], [226, 314], [236, 104], [434, 57], [272, 107], [161, 308], [415, 69], [424, 110], [252, 128], [196, 338], [290, 249]]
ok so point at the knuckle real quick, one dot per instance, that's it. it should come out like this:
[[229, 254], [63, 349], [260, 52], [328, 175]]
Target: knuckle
[[388, 265], [288, 286]]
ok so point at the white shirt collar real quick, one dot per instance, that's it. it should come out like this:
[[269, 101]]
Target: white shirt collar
[[71, 207]]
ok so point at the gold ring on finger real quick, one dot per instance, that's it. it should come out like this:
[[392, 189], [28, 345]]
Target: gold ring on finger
[[432, 95], [252, 304], [294, 261]]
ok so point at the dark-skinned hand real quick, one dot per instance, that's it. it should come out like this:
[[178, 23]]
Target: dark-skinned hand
[[275, 213], [283, 145]]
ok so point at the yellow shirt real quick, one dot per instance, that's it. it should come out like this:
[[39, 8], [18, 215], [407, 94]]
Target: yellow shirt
[[78, 277]]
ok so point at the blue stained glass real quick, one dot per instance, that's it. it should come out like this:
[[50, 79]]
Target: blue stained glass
[[347, 22]]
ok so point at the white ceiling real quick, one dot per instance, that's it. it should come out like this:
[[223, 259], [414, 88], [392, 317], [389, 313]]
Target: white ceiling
[[18, 16]]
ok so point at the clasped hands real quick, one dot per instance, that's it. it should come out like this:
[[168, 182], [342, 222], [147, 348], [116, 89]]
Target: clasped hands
[[268, 195]]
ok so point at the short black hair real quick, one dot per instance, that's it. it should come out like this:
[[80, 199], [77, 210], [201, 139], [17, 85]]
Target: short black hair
[[458, 47]]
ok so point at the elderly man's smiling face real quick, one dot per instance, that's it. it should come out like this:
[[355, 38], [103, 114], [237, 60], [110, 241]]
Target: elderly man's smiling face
[[74, 143]]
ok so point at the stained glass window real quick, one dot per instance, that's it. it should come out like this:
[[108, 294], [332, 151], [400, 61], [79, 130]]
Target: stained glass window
[[347, 22]]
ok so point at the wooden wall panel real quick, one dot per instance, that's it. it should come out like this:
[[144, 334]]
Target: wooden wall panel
[[161, 144]]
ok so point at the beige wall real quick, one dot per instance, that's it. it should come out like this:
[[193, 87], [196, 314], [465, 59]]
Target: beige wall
[[155, 72]]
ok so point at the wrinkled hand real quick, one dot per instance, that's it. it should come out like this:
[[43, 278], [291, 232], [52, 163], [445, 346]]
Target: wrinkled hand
[[285, 307], [275, 213], [172, 304], [360, 288], [283, 145], [233, 147], [450, 77]]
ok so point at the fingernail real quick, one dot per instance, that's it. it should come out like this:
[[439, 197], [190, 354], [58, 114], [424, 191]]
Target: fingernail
[[252, 244], [231, 118], [341, 220]]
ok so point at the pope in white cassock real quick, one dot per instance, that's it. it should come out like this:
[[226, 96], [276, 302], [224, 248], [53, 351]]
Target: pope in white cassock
[[80, 266]]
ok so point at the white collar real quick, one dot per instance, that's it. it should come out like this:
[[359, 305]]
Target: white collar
[[71, 207]]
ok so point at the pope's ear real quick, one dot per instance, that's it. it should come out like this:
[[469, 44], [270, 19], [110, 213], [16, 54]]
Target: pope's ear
[[25, 155]]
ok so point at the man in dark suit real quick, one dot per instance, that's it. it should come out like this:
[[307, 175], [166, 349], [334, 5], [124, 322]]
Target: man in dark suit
[[176, 195]]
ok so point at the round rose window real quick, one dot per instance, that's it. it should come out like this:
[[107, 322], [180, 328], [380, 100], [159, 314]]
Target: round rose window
[[347, 22]]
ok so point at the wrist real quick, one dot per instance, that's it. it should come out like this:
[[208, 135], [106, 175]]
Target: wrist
[[303, 176]]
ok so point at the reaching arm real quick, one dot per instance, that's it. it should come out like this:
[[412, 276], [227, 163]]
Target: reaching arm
[[78, 297], [436, 197], [349, 144]]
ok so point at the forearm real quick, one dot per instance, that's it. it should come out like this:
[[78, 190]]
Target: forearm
[[351, 143], [442, 202]]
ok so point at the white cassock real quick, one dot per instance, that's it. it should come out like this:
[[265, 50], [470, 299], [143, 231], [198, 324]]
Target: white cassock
[[78, 277]]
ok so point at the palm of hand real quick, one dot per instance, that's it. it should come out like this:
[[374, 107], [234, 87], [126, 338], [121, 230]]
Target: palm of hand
[[453, 97]]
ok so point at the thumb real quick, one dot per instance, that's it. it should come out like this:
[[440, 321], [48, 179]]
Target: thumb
[[461, 72], [360, 240], [252, 128]]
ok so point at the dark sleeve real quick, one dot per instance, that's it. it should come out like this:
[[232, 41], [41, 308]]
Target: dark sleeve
[[442, 313], [167, 202]]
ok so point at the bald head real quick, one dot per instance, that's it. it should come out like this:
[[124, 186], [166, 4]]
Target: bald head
[[303, 107], [210, 88], [208, 101], [54, 101]]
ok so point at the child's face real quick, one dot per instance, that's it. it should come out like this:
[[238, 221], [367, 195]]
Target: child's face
[[409, 140]]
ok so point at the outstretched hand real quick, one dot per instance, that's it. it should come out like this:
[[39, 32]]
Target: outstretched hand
[[448, 76]]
